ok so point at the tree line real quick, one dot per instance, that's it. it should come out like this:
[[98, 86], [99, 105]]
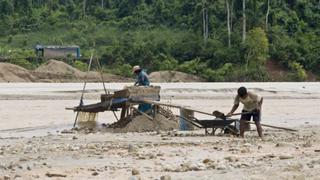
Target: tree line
[[220, 40]]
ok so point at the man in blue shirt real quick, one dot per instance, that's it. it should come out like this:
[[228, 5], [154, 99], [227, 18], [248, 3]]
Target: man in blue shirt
[[142, 77], [142, 80]]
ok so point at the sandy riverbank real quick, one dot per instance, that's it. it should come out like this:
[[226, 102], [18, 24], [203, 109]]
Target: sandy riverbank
[[281, 155], [38, 110]]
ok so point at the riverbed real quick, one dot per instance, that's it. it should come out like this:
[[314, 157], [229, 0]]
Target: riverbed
[[29, 109], [35, 145]]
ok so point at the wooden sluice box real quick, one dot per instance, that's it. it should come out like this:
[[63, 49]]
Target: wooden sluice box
[[135, 93], [122, 99]]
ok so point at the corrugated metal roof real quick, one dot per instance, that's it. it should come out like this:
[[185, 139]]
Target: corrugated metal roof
[[55, 47]]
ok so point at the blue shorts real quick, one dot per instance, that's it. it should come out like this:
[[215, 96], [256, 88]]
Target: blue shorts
[[255, 114]]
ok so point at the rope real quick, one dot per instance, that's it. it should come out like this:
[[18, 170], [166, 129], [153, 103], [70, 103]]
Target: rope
[[85, 78], [101, 73], [104, 87], [83, 89]]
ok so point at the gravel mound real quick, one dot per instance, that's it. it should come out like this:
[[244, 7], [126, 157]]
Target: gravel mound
[[58, 71], [13, 73], [143, 124]]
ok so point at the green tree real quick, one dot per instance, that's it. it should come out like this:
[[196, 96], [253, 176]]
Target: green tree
[[169, 34], [6, 8], [257, 50]]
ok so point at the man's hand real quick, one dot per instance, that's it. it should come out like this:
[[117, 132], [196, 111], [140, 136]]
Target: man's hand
[[260, 104], [234, 108], [259, 107]]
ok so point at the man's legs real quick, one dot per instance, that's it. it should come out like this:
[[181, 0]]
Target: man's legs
[[242, 127], [256, 119], [244, 123], [259, 128]]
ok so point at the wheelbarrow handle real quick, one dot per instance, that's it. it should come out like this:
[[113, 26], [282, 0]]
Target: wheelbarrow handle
[[236, 114], [221, 115]]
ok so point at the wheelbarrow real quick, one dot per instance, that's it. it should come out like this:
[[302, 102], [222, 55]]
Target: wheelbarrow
[[226, 125]]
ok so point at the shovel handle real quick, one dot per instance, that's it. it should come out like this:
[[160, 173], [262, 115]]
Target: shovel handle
[[236, 114]]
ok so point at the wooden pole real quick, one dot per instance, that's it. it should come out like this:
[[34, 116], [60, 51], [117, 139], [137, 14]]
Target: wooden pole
[[142, 113], [271, 126], [175, 106]]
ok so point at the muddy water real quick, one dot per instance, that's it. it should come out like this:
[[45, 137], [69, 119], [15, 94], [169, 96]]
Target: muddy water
[[32, 109]]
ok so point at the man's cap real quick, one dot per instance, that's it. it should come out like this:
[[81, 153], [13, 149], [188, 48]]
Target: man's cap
[[135, 68], [242, 91]]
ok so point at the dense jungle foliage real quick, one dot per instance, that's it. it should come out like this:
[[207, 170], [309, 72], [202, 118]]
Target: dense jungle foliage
[[220, 40]]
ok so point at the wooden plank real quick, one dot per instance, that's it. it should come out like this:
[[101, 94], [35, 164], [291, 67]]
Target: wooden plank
[[123, 113], [144, 114], [106, 97], [275, 127], [139, 92], [191, 121], [175, 106]]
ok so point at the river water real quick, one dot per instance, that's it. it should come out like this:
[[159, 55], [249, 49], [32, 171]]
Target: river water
[[32, 109]]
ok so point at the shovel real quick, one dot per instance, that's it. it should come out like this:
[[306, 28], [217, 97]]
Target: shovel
[[221, 115]]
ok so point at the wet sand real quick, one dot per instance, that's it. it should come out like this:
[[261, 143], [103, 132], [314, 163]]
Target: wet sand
[[32, 145]]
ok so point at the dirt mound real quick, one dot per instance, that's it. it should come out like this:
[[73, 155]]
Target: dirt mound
[[278, 73], [13, 73], [58, 71], [173, 76], [58, 67], [275, 71], [143, 124]]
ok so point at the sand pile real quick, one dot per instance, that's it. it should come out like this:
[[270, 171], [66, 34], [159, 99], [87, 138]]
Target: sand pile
[[54, 70], [59, 71], [173, 76], [143, 124], [13, 73]]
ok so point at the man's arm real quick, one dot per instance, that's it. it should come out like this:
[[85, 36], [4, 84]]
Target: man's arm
[[235, 105], [234, 108], [137, 83], [260, 103], [142, 78]]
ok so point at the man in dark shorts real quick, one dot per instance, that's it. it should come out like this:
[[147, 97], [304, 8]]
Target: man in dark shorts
[[251, 107]]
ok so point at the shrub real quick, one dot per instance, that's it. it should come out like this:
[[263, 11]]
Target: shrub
[[297, 72], [193, 67], [23, 63], [122, 70], [125, 70], [165, 63], [10, 38], [80, 65], [217, 75]]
